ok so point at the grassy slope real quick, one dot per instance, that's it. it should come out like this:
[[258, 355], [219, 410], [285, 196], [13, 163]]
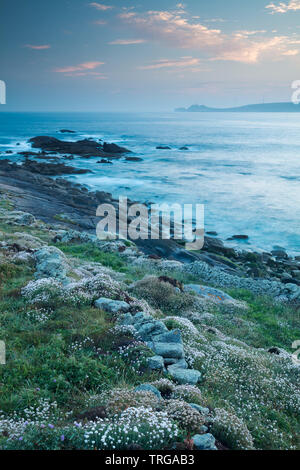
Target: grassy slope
[[41, 363]]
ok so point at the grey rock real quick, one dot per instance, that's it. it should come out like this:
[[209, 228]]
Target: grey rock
[[148, 388], [204, 429], [147, 330], [127, 319], [50, 262], [156, 362], [170, 350], [209, 293], [203, 411], [18, 217], [112, 306], [173, 336], [184, 376], [204, 442]]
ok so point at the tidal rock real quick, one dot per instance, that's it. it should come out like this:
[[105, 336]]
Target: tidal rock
[[133, 159], [204, 442], [280, 254], [104, 161], [184, 148], [163, 147], [67, 131], [239, 237], [52, 169], [84, 148], [112, 306]]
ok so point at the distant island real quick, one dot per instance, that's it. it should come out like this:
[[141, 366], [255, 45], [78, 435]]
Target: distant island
[[250, 108]]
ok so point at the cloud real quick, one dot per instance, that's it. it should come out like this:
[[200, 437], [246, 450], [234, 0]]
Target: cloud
[[80, 70], [125, 42], [38, 47], [101, 6], [183, 62], [282, 7], [177, 29], [100, 22]]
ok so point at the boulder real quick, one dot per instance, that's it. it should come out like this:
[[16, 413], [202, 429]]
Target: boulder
[[148, 388], [50, 262], [156, 362], [173, 336], [209, 293], [204, 442], [203, 411], [171, 350], [184, 376], [112, 306], [151, 328], [18, 217]]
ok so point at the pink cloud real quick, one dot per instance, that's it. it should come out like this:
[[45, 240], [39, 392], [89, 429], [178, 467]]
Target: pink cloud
[[183, 62], [37, 47], [177, 29], [84, 69], [282, 7], [101, 6], [125, 42]]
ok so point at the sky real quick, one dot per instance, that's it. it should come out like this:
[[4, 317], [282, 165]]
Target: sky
[[124, 55]]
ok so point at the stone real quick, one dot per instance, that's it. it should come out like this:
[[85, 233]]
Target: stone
[[209, 293], [147, 330], [204, 442], [203, 411], [18, 218], [173, 336], [148, 388], [127, 319], [204, 429], [50, 262], [180, 364], [171, 350], [112, 306], [184, 376], [156, 362]]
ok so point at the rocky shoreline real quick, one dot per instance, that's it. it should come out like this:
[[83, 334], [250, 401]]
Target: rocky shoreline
[[75, 207]]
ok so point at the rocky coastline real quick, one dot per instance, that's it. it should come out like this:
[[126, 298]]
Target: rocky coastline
[[52, 199]]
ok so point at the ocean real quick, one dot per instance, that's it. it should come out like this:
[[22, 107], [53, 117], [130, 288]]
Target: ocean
[[245, 168]]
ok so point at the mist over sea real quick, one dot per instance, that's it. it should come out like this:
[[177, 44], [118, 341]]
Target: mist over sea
[[245, 168]]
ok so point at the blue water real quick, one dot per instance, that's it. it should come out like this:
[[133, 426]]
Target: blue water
[[245, 168]]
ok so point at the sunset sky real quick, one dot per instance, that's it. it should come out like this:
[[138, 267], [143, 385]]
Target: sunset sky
[[121, 55]]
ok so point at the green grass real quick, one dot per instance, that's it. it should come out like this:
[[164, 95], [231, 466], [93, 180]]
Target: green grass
[[40, 362], [89, 252], [266, 323]]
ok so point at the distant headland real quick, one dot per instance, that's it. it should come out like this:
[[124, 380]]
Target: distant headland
[[250, 108]]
